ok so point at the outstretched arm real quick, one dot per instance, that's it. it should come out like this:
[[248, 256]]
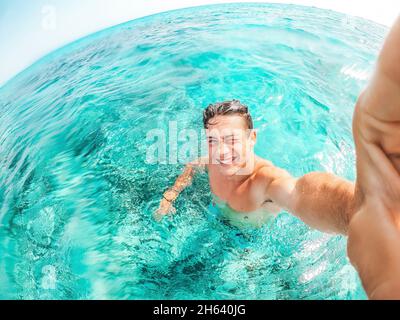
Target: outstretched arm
[[322, 200], [184, 180], [374, 232], [369, 211]]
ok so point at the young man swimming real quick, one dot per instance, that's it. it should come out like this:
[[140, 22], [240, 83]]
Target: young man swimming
[[250, 189]]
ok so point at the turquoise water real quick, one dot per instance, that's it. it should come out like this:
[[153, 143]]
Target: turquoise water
[[76, 192]]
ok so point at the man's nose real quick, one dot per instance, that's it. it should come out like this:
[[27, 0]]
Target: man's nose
[[224, 150]]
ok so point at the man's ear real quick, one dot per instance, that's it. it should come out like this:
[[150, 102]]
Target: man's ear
[[253, 136]]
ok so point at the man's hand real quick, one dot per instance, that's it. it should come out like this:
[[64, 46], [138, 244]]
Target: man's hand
[[165, 208], [374, 231]]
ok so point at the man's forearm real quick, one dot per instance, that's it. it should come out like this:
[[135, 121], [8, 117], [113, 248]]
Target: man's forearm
[[181, 183], [185, 178], [324, 201], [390, 54], [379, 100]]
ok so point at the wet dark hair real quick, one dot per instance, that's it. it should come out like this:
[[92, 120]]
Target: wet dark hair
[[231, 107]]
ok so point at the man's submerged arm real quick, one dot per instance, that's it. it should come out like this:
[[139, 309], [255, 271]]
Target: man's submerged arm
[[184, 180], [321, 200]]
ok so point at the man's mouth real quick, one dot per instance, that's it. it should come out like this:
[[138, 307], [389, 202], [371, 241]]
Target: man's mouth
[[226, 161]]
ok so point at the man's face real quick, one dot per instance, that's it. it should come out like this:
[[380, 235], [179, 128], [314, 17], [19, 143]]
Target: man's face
[[230, 143]]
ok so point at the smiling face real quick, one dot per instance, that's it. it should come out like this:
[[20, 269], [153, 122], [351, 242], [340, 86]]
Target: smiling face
[[230, 143]]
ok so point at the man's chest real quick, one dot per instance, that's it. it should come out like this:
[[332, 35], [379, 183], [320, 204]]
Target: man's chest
[[242, 197]]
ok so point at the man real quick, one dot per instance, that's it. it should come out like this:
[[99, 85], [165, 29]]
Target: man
[[369, 211], [252, 189]]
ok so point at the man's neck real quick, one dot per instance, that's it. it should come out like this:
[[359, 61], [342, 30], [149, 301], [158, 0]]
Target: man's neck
[[246, 170]]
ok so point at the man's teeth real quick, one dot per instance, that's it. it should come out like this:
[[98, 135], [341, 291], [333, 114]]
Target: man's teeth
[[227, 161]]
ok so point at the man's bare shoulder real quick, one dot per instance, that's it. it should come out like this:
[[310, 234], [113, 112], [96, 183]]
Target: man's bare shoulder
[[265, 169]]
